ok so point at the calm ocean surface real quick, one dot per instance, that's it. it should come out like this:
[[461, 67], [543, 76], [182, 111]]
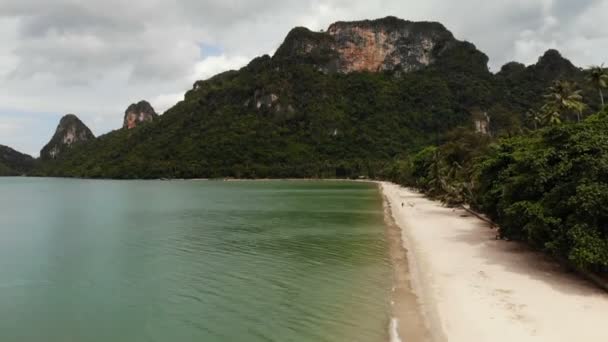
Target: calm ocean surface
[[84, 260]]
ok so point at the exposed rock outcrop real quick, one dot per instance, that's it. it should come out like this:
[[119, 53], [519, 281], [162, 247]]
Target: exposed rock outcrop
[[371, 45], [138, 113], [481, 122], [70, 131], [13, 163], [265, 100], [388, 43]]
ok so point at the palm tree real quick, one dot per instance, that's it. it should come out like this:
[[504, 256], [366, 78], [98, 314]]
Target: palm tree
[[563, 97], [551, 115], [579, 108], [455, 189], [598, 76], [436, 173], [535, 117]]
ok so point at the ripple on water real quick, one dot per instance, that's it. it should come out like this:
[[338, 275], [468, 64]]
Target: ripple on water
[[183, 261]]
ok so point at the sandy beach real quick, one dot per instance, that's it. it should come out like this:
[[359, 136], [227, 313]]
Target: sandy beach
[[472, 287]]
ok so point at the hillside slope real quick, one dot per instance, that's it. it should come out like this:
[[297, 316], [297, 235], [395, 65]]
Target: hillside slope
[[13, 163]]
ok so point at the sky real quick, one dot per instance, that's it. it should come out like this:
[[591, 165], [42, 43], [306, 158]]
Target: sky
[[95, 57]]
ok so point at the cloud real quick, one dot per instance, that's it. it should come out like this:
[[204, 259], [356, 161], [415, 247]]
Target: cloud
[[28, 130], [215, 64], [204, 69], [95, 57]]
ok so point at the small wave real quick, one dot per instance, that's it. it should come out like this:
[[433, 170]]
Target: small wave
[[394, 331]]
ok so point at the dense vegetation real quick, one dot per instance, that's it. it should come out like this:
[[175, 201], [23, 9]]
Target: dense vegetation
[[546, 186], [13, 163], [550, 190]]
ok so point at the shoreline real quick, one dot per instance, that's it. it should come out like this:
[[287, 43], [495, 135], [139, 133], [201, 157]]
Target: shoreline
[[408, 321], [220, 179], [472, 287]]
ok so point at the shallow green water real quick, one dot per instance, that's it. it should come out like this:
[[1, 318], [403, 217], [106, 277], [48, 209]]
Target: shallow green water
[[85, 260]]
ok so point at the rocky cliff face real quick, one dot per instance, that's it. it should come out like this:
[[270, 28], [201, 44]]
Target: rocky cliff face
[[370, 45], [70, 131], [388, 43], [138, 113]]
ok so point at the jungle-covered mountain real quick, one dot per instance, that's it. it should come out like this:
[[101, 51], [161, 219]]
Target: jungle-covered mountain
[[345, 102]]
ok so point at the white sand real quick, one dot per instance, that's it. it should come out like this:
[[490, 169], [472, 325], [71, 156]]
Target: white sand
[[474, 288]]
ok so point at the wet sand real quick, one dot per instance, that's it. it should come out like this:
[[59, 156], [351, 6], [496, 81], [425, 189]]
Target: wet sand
[[407, 317]]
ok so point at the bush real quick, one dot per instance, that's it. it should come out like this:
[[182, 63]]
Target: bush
[[550, 190]]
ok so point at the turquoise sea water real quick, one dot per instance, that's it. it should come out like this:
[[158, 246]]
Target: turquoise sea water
[[84, 260]]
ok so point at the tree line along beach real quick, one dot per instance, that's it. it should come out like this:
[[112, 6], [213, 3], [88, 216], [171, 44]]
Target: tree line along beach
[[474, 287]]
